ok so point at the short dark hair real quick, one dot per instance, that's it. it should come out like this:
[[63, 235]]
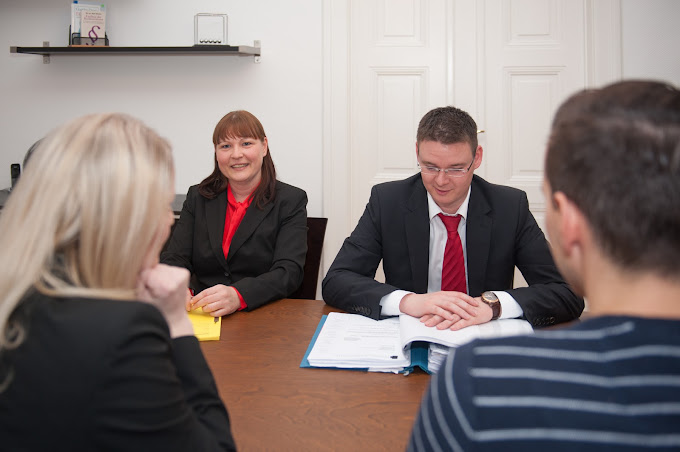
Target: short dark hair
[[237, 124], [615, 153], [448, 125]]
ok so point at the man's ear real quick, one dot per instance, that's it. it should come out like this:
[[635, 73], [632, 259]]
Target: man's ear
[[571, 223], [479, 153]]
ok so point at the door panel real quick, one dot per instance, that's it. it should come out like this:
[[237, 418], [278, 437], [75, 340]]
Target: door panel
[[398, 72]]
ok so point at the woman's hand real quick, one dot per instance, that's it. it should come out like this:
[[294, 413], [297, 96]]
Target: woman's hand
[[217, 300], [165, 287]]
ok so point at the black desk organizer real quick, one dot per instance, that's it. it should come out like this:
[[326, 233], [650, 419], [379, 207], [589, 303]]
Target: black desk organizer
[[76, 40]]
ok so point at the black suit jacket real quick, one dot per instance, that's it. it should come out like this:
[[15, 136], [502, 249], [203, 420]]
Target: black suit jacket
[[501, 234], [104, 375], [266, 255]]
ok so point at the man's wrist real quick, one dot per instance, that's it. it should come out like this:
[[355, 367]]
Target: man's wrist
[[491, 300], [390, 304], [402, 302]]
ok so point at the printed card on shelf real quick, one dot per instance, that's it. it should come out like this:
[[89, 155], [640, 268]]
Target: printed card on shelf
[[93, 28], [77, 8]]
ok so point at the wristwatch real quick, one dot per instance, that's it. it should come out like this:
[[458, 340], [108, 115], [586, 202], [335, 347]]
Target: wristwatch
[[492, 300]]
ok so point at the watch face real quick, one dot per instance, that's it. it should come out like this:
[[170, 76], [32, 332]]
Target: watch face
[[490, 297]]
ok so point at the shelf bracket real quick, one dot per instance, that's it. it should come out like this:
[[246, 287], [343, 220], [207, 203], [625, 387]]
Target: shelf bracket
[[257, 58], [46, 58]]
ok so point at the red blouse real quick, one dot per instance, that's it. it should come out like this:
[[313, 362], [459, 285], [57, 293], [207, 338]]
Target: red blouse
[[235, 213]]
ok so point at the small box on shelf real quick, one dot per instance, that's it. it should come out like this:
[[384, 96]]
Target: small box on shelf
[[210, 29]]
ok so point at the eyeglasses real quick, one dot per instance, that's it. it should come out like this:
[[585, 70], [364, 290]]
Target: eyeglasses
[[451, 172]]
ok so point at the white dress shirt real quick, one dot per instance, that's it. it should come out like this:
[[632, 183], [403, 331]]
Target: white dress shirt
[[390, 303]]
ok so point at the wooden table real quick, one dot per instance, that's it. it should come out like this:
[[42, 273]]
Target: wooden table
[[276, 405]]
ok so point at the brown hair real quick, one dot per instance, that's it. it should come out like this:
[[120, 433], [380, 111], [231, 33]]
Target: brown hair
[[237, 124], [615, 153], [448, 125]]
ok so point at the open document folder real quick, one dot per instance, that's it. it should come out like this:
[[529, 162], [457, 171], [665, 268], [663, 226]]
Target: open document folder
[[352, 341], [206, 327]]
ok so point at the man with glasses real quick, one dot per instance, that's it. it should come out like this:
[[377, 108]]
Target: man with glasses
[[449, 242]]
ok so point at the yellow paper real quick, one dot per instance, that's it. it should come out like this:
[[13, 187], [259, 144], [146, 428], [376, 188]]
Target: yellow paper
[[205, 327]]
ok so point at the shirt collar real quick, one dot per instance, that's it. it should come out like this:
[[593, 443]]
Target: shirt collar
[[434, 209], [232, 201]]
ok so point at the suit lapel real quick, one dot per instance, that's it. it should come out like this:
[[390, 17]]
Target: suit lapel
[[252, 219], [478, 240], [215, 213], [417, 227]]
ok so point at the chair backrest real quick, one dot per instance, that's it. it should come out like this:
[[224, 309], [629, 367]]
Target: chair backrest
[[316, 231]]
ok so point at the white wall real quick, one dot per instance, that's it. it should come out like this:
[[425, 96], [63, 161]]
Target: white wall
[[182, 97], [650, 39]]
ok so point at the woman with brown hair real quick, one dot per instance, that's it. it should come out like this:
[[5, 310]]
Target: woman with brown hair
[[241, 233]]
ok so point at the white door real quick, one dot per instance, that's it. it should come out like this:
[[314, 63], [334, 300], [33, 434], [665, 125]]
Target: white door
[[398, 71], [535, 58]]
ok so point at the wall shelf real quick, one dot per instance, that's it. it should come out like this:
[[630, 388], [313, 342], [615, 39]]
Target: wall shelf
[[46, 51]]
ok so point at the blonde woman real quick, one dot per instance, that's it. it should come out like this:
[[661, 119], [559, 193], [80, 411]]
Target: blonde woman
[[96, 350]]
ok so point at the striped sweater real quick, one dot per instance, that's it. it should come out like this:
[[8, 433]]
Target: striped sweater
[[609, 383]]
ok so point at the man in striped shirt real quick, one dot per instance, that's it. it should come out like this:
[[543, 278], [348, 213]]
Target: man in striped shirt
[[611, 381]]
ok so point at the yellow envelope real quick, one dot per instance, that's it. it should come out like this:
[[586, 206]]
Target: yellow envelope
[[205, 326]]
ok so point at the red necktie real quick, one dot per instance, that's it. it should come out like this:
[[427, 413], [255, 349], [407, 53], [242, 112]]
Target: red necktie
[[453, 267]]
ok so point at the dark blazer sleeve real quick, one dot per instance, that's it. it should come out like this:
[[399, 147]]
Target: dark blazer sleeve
[[349, 284], [157, 393], [548, 299], [394, 228], [266, 255], [502, 234]]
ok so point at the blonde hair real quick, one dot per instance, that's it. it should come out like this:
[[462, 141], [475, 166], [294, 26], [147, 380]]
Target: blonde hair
[[84, 214]]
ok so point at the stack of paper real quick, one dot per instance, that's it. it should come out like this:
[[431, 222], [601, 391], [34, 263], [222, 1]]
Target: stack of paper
[[436, 356], [357, 342], [442, 341], [412, 329], [350, 341]]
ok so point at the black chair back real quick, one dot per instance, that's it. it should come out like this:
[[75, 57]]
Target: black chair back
[[316, 231]]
